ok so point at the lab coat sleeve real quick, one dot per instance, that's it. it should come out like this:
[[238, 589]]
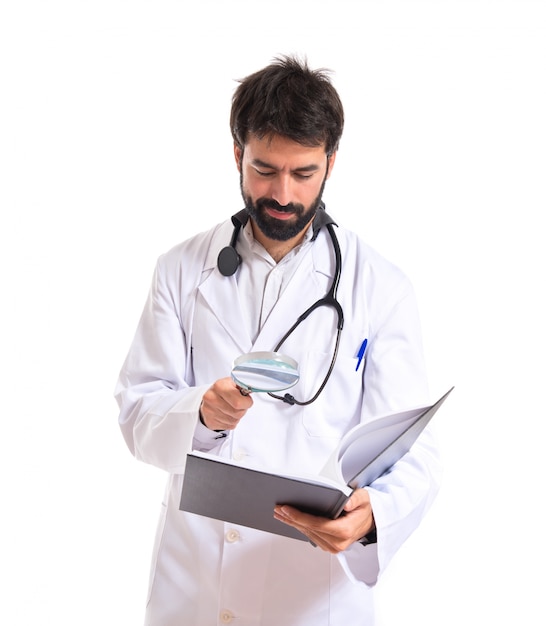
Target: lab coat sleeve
[[395, 379], [159, 409]]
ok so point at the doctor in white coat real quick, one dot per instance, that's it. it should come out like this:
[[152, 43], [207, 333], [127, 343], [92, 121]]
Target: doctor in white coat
[[175, 393]]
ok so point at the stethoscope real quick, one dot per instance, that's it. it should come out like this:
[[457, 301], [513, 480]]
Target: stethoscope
[[229, 260]]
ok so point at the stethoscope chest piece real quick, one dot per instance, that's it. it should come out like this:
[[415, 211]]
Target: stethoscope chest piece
[[228, 261], [228, 257]]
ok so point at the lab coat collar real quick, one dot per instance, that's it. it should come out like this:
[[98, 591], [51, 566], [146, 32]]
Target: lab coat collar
[[221, 292]]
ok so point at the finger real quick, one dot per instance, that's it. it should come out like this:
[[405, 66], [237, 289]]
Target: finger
[[280, 514], [238, 398], [359, 497], [220, 413], [224, 396], [294, 517], [331, 535], [317, 539], [309, 525]]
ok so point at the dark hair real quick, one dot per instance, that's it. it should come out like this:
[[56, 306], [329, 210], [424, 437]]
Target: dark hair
[[287, 98]]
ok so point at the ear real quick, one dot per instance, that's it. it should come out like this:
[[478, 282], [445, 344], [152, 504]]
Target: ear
[[238, 152], [331, 161]]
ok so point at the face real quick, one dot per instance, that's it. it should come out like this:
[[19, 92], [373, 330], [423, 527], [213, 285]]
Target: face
[[282, 183]]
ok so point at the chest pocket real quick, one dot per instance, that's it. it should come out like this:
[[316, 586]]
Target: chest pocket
[[338, 407]]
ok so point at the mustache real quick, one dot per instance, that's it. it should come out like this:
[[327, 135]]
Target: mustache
[[269, 203]]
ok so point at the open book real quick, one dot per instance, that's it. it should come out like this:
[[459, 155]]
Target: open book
[[224, 490]]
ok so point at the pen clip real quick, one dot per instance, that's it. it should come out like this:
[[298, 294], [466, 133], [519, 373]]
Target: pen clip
[[360, 355]]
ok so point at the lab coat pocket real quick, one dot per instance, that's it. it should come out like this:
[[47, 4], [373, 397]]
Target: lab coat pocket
[[338, 407]]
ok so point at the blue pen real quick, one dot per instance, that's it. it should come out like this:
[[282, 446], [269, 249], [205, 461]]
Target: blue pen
[[360, 354]]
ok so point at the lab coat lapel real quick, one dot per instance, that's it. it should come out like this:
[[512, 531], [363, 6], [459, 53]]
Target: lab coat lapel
[[222, 297]]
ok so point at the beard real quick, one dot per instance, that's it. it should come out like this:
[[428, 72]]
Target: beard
[[280, 230]]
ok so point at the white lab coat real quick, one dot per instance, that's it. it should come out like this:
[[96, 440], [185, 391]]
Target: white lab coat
[[206, 572]]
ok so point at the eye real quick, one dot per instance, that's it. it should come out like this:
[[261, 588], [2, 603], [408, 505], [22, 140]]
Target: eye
[[302, 176], [264, 174]]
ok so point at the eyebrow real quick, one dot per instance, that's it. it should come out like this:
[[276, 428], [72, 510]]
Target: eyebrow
[[313, 167]]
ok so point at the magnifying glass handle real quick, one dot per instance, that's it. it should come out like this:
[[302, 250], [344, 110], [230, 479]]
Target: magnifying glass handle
[[243, 391]]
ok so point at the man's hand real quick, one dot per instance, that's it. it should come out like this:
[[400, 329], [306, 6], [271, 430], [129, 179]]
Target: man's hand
[[337, 535], [224, 405]]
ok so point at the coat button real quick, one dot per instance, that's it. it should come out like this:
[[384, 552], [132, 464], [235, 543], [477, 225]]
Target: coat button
[[239, 455], [226, 616], [232, 536]]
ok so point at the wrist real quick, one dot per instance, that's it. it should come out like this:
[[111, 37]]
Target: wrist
[[369, 538], [222, 432]]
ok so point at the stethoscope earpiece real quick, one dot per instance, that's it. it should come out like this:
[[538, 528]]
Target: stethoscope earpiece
[[228, 261]]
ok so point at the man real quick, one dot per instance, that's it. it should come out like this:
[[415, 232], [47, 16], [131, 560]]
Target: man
[[175, 393]]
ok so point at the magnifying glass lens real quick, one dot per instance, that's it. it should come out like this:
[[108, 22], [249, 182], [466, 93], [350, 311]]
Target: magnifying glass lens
[[265, 371]]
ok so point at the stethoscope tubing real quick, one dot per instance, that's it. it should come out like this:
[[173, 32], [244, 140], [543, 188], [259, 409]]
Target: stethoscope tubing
[[330, 299]]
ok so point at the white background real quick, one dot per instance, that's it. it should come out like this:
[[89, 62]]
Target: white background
[[115, 145]]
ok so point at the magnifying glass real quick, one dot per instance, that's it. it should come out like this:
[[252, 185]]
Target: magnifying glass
[[264, 371]]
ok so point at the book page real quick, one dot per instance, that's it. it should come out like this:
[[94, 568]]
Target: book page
[[364, 442], [370, 449], [362, 448]]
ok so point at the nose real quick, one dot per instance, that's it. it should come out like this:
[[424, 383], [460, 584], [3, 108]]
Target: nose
[[281, 189]]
